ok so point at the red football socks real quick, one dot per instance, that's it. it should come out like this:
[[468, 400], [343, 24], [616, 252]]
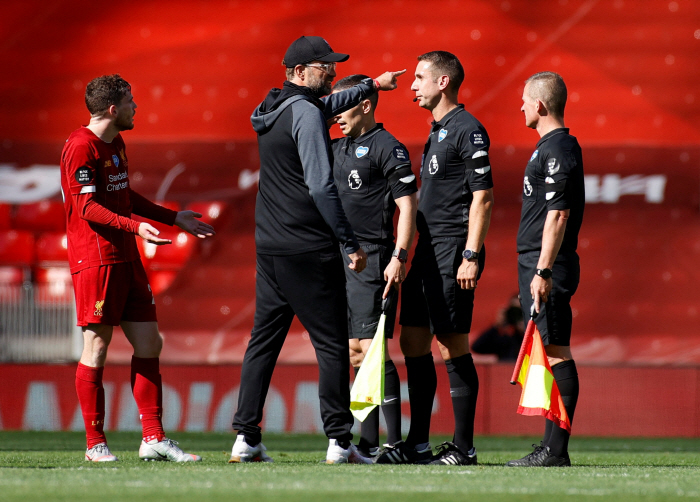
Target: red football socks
[[91, 395], [148, 393]]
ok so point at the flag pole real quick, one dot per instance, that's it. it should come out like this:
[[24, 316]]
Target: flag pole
[[526, 339]]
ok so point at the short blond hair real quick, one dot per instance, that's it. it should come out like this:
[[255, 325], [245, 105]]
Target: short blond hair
[[549, 88]]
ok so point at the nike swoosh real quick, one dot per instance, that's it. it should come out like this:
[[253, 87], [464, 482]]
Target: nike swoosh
[[387, 401]]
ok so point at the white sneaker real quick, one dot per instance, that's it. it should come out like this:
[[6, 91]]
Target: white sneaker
[[243, 452], [166, 450], [337, 455], [100, 453]]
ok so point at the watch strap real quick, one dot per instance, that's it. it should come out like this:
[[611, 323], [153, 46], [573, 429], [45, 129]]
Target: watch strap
[[545, 273], [400, 254], [470, 255]]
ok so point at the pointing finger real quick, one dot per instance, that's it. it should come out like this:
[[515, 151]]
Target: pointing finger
[[386, 289]]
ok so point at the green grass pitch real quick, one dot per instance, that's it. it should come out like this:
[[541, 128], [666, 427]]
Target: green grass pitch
[[49, 466]]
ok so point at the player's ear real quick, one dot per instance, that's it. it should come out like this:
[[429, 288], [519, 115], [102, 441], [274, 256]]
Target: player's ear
[[299, 71], [112, 111], [541, 109], [366, 106], [443, 82]]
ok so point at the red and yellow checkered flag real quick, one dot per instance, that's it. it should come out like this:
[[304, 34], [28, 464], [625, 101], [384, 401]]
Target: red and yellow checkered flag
[[540, 396]]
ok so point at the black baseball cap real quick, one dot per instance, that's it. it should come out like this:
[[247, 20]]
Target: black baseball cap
[[306, 49]]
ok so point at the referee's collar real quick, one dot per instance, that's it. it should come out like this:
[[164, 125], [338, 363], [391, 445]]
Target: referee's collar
[[378, 127], [448, 116], [560, 130]]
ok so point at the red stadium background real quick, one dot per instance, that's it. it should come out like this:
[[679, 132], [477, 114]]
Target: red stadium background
[[199, 68]]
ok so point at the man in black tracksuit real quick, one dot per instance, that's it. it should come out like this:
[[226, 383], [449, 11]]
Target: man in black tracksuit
[[548, 265], [299, 222]]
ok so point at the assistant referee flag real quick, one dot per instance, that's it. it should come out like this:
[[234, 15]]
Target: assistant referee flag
[[368, 389], [540, 395]]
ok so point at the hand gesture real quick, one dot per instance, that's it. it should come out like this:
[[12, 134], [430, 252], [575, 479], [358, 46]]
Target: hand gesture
[[394, 274], [149, 233], [187, 221], [387, 80]]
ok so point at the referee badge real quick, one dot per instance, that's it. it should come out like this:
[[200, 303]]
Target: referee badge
[[400, 153], [442, 134], [354, 179], [534, 155], [479, 138], [433, 166], [361, 151], [553, 166]]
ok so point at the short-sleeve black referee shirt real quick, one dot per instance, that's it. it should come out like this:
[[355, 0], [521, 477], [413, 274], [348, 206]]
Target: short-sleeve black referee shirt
[[455, 164], [371, 172], [553, 181]]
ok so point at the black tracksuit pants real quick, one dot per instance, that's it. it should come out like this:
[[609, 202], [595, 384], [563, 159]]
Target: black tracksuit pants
[[312, 286]]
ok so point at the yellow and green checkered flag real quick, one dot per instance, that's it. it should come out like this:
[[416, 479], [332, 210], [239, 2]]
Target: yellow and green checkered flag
[[368, 389]]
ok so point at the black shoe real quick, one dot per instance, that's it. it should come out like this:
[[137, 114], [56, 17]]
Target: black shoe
[[541, 457], [371, 452], [450, 454], [400, 453]]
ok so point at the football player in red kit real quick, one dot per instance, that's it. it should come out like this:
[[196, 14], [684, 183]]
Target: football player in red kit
[[111, 287]]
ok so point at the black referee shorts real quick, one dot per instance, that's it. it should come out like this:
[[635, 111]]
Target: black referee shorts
[[364, 292], [430, 294], [554, 320]]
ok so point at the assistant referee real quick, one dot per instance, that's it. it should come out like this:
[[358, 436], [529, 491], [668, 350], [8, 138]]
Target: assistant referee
[[548, 265]]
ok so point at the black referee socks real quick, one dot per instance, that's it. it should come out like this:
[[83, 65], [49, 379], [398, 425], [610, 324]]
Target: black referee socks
[[464, 387], [566, 377], [391, 406], [422, 385]]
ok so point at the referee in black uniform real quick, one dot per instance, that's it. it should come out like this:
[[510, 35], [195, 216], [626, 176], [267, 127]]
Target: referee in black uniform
[[454, 212], [548, 265], [299, 223], [373, 174]]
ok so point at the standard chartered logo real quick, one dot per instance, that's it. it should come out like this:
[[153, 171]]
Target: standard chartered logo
[[116, 183]]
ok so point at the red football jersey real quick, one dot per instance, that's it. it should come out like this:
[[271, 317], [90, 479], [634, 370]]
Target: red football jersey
[[93, 169]]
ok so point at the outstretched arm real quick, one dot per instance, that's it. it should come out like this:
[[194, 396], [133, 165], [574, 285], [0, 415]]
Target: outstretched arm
[[187, 221], [341, 101], [310, 135], [91, 210]]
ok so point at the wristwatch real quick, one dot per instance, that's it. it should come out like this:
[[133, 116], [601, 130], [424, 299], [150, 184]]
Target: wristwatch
[[400, 254], [545, 273], [470, 255]]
